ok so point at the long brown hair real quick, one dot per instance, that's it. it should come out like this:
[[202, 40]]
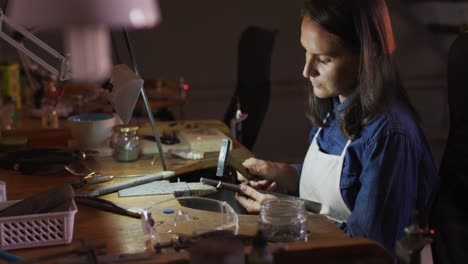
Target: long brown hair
[[364, 26]]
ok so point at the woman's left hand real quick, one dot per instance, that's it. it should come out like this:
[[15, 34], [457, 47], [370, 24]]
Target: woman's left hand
[[263, 185], [251, 199]]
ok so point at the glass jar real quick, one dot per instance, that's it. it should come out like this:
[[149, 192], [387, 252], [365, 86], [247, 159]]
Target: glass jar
[[3, 197], [283, 220], [49, 116], [126, 143]]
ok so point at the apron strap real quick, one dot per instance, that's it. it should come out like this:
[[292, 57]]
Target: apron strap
[[346, 147], [344, 150]]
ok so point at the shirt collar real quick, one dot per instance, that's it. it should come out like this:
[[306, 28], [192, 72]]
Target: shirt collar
[[340, 106]]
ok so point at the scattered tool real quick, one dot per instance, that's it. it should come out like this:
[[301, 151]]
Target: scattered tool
[[145, 178], [91, 179], [34, 160], [107, 205], [223, 155]]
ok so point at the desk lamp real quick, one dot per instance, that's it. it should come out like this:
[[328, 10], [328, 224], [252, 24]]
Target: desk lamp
[[86, 25]]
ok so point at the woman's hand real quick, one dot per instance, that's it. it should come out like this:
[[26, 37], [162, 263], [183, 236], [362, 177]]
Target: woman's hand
[[275, 173], [259, 167], [251, 199], [264, 185]]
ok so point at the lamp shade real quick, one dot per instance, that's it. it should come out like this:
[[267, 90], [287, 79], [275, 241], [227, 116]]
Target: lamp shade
[[86, 25], [66, 13]]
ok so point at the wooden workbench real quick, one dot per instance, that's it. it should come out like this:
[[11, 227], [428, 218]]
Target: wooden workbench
[[121, 234]]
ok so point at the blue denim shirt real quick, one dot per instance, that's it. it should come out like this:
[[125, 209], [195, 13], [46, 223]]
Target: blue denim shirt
[[388, 172]]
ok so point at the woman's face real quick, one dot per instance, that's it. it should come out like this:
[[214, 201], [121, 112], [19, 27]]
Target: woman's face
[[331, 67]]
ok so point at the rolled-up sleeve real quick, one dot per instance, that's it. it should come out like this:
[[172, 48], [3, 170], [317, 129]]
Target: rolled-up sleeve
[[298, 168]]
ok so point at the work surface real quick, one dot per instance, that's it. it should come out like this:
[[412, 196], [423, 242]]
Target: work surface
[[122, 234]]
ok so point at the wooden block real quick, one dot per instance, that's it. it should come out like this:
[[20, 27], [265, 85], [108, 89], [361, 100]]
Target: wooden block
[[204, 139]]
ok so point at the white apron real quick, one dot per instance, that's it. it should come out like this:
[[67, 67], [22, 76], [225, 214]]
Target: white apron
[[320, 181]]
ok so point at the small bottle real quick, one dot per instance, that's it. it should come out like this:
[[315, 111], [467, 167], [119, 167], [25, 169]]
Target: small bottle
[[49, 116], [126, 143], [3, 194], [183, 89], [8, 114], [260, 254], [415, 247], [236, 123]]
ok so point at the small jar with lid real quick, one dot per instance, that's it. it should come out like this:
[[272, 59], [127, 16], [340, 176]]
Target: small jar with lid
[[126, 143], [283, 220]]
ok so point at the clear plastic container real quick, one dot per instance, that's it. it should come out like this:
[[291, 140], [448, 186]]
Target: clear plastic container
[[126, 143], [283, 220]]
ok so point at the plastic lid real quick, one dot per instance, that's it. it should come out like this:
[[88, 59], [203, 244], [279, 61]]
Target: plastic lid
[[126, 128]]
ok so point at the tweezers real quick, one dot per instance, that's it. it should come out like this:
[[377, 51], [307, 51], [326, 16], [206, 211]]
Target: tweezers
[[105, 205]]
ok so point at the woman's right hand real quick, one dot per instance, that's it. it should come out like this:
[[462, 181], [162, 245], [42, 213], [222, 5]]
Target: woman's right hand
[[271, 174], [259, 167]]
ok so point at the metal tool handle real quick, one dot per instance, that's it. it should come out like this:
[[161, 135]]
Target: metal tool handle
[[127, 184], [310, 206], [222, 158]]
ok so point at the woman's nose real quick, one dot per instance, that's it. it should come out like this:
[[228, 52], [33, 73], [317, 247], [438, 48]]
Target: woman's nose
[[309, 70]]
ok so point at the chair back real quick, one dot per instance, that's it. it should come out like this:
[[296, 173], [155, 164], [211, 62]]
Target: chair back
[[449, 212], [253, 81]]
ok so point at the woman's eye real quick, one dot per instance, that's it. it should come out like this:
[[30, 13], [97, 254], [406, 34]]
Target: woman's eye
[[324, 60]]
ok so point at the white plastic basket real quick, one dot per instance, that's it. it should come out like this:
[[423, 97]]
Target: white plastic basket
[[38, 230]]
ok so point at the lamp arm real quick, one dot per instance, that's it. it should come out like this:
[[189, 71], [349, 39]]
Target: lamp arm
[[64, 72], [146, 102]]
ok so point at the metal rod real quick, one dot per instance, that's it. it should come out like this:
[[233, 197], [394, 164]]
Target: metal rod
[[33, 38], [145, 100], [63, 73], [44, 64]]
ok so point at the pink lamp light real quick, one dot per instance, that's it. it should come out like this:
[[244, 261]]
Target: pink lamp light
[[86, 25]]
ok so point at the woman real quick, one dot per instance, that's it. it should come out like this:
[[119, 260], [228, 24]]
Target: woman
[[368, 162]]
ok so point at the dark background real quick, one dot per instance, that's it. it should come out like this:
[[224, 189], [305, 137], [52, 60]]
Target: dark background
[[198, 40]]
